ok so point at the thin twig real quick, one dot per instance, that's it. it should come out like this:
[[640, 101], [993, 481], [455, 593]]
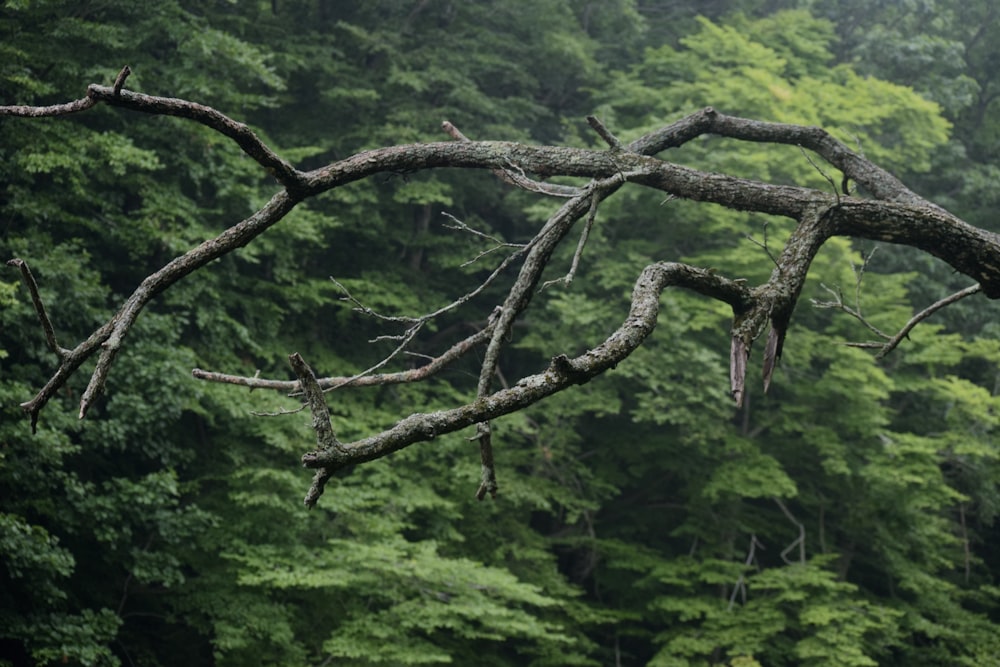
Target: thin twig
[[764, 245], [279, 413], [860, 275], [519, 179], [611, 140], [362, 308], [838, 304], [461, 226], [497, 243], [406, 338], [36, 299], [740, 586], [435, 365], [833, 185], [800, 541], [578, 253], [923, 315]]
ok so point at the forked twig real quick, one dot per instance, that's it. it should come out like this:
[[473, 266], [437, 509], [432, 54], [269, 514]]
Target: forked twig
[[924, 314]]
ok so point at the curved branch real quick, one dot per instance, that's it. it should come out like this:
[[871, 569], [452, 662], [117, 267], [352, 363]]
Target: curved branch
[[108, 338], [25, 111], [245, 138], [880, 183], [895, 215], [561, 373]]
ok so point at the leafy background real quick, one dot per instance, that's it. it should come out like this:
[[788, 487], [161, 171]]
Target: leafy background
[[847, 518]]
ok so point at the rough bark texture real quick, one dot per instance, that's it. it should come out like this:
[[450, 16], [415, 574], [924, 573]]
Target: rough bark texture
[[890, 213]]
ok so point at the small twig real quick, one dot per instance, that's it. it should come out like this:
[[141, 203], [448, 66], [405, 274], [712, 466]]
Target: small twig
[[279, 413], [833, 184], [764, 245], [461, 226], [362, 308], [436, 364], [611, 140], [800, 541], [891, 342], [120, 80], [859, 276], [488, 483], [36, 299], [498, 244], [520, 179], [406, 338], [838, 304], [462, 300], [740, 586], [418, 323], [923, 315], [575, 263]]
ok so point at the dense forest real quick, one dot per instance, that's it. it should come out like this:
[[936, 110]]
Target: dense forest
[[847, 517]]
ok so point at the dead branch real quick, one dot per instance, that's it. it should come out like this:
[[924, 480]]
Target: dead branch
[[893, 214], [799, 541], [923, 315], [893, 342], [325, 436], [561, 373], [36, 299], [434, 366]]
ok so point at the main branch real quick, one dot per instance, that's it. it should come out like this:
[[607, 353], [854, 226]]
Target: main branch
[[890, 213]]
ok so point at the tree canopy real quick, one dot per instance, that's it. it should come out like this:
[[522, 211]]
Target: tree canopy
[[654, 201]]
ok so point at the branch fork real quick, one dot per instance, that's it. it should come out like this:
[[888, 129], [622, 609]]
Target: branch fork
[[892, 213]]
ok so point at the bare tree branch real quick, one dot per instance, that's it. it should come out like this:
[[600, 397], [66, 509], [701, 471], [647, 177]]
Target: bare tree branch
[[799, 541], [244, 137], [893, 342], [436, 365], [325, 436], [36, 299], [892, 214], [562, 372]]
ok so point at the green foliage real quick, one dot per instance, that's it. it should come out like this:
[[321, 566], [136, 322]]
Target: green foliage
[[848, 518]]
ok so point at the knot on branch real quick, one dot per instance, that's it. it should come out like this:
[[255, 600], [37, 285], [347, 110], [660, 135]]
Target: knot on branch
[[567, 369]]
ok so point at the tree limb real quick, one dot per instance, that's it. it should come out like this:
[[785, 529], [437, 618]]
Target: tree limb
[[892, 214], [562, 372]]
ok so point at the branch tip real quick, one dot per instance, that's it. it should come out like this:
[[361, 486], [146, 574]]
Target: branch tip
[[36, 300], [610, 139], [120, 80]]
